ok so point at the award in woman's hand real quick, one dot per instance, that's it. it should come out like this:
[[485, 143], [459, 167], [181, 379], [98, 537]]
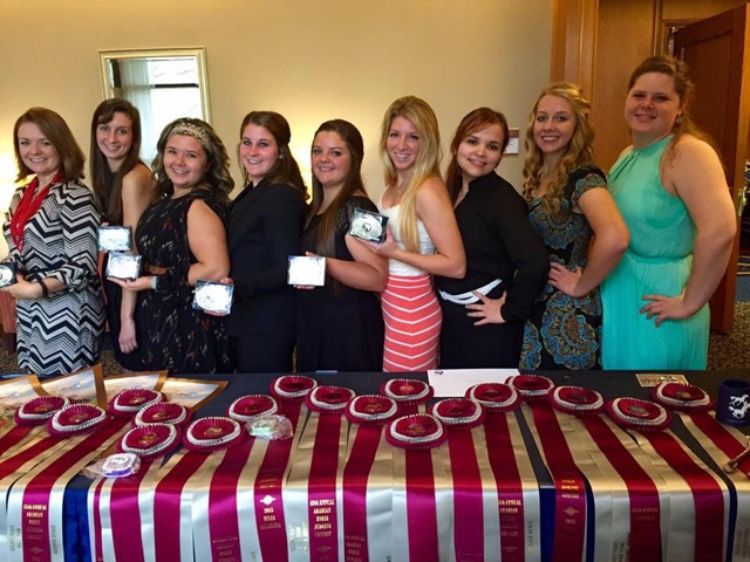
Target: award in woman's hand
[[307, 271], [212, 297], [122, 265], [7, 273], [369, 226]]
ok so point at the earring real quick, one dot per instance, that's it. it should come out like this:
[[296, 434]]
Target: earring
[[678, 120]]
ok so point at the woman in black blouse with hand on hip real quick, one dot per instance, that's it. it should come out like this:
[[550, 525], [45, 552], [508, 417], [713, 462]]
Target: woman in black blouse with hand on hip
[[506, 262], [265, 225]]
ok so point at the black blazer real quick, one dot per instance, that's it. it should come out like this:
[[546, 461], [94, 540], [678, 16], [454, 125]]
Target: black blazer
[[265, 225]]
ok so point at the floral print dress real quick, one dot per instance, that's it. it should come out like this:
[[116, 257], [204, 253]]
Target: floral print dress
[[564, 332], [172, 334]]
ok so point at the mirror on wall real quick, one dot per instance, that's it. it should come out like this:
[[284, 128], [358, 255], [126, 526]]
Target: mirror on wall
[[163, 84]]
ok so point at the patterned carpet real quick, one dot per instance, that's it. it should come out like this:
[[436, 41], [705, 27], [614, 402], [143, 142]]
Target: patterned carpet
[[733, 350]]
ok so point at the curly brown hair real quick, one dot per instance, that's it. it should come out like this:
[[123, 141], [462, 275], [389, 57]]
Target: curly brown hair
[[217, 178]]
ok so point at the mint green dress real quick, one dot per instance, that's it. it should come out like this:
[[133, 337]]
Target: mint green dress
[[658, 261]]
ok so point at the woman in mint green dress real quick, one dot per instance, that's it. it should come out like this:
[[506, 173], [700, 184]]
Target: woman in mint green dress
[[670, 189]]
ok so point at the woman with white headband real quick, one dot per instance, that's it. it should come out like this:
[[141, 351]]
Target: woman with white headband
[[182, 239]]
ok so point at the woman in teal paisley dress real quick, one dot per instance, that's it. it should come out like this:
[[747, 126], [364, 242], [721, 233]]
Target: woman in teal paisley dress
[[576, 217], [670, 187]]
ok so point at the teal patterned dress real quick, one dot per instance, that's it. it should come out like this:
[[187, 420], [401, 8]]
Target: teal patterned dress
[[564, 332], [658, 261]]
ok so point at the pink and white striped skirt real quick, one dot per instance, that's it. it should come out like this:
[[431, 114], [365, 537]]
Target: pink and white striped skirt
[[412, 317]]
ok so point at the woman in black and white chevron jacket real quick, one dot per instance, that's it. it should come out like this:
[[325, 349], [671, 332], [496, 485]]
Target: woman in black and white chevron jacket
[[51, 235]]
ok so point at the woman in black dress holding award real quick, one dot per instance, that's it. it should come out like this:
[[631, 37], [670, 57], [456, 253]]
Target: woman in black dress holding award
[[181, 239], [506, 262], [340, 325], [123, 186], [264, 230]]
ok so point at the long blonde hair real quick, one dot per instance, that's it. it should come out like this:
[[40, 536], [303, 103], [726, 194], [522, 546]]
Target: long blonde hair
[[579, 151], [427, 164]]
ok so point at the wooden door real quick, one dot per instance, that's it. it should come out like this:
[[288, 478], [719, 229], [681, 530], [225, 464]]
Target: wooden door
[[717, 50]]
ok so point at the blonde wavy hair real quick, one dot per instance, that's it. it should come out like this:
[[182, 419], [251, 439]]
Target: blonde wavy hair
[[427, 164], [578, 152]]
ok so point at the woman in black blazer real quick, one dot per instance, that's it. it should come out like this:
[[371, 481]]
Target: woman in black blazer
[[265, 225]]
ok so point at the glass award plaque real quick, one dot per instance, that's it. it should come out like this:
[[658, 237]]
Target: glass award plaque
[[123, 266], [213, 297], [114, 238], [369, 226], [7, 273], [307, 270]]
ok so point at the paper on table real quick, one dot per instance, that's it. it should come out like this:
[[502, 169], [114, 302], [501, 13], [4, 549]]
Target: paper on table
[[455, 382]]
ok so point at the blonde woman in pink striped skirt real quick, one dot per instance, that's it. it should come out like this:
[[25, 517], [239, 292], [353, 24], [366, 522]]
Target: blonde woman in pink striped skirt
[[423, 237]]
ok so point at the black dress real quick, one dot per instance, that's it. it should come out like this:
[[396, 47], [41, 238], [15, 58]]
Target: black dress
[[171, 334], [500, 244], [338, 327]]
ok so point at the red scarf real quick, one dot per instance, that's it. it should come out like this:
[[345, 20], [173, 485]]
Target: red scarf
[[28, 206]]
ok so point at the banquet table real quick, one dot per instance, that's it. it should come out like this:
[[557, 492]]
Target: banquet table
[[609, 384]]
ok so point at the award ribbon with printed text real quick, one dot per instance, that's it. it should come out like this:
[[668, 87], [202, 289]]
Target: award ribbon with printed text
[[623, 491], [223, 509], [569, 532], [726, 446], [421, 489], [310, 492], [366, 482], [696, 528], [35, 518], [517, 499]]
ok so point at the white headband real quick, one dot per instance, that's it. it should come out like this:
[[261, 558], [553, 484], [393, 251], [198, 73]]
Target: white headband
[[198, 132]]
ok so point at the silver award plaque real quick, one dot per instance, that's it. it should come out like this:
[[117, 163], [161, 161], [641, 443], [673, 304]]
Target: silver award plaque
[[114, 238], [213, 297], [7, 273], [367, 225], [122, 265], [307, 270]]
